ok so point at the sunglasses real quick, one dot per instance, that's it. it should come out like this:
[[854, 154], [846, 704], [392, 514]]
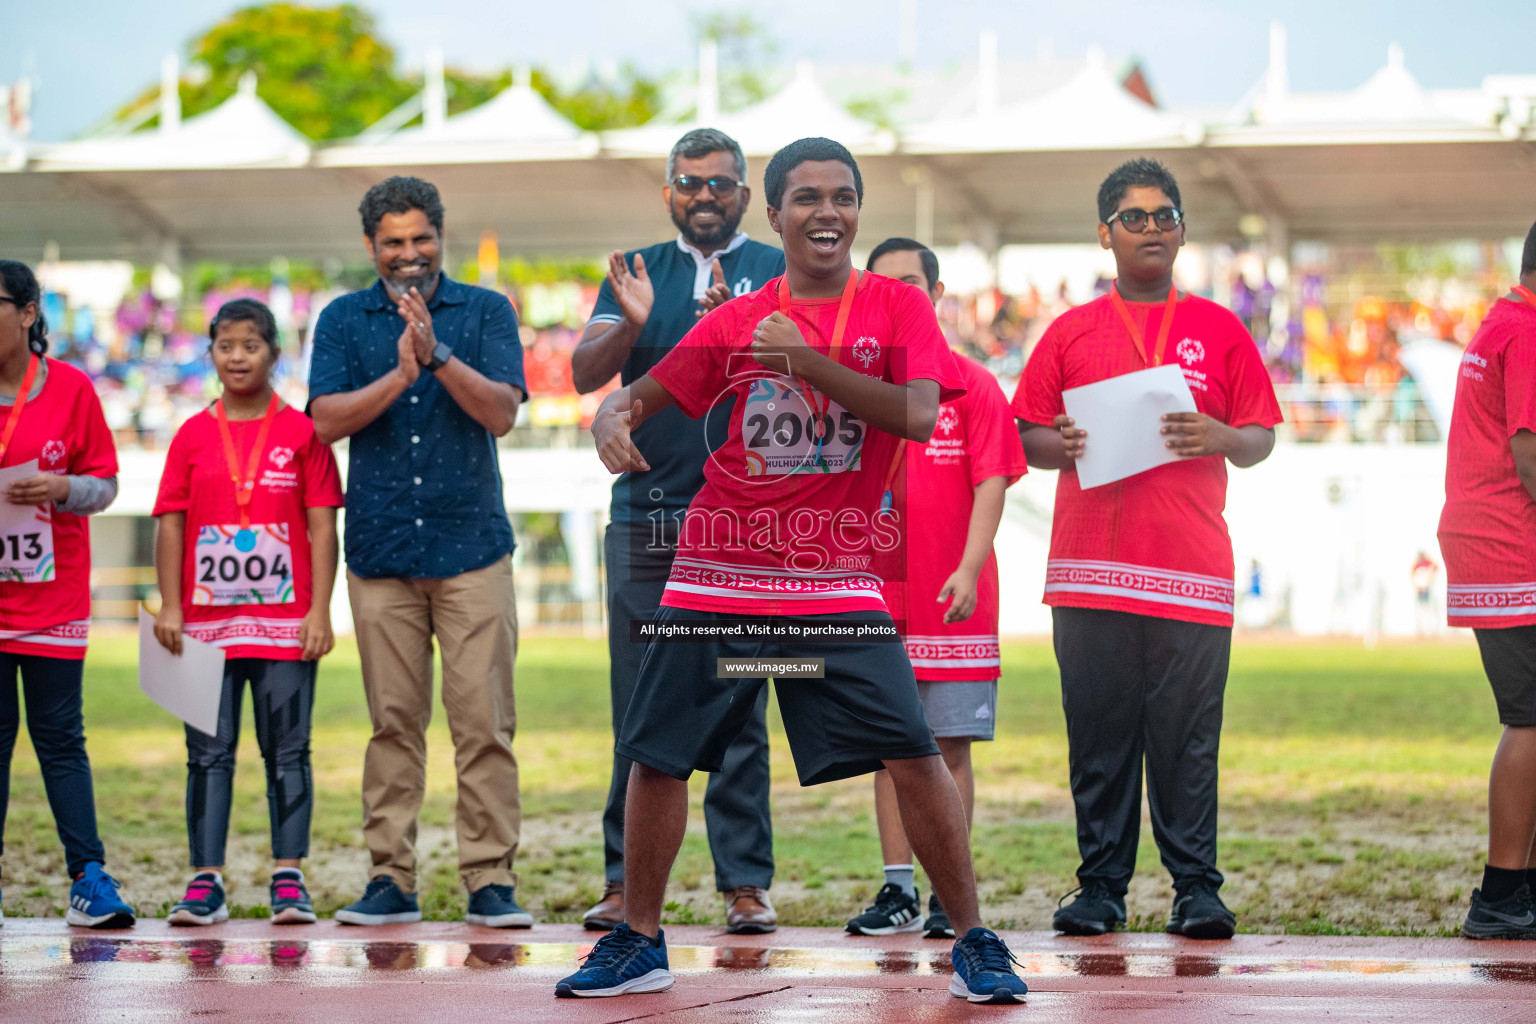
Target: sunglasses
[[720, 185], [7, 298], [1166, 218]]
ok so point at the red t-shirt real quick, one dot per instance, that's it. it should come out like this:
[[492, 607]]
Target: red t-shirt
[[272, 580], [1488, 527], [1155, 543], [64, 430], [784, 525], [974, 440]]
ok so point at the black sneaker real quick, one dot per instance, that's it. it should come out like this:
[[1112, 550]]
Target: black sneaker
[[937, 926], [1198, 913], [1096, 911], [1512, 918], [893, 911]]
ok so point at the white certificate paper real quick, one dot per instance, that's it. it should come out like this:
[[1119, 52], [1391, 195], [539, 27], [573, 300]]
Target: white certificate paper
[[188, 686], [16, 517], [1123, 417]]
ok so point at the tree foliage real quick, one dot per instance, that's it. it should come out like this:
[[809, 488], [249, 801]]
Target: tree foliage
[[327, 72]]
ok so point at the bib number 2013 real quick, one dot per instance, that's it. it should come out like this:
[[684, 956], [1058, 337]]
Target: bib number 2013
[[235, 566], [26, 553]]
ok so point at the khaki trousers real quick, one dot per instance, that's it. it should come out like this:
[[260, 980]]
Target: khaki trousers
[[474, 618]]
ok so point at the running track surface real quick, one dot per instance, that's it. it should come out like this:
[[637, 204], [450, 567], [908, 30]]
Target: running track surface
[[456, 974]]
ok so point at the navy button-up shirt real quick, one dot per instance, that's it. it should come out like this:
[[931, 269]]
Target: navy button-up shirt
[[424, 492]]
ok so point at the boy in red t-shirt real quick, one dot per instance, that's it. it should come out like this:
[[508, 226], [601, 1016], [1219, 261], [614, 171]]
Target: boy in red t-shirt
[[945, 596], [1140, 575], [1488, 537], [251, 484], [782, 537]]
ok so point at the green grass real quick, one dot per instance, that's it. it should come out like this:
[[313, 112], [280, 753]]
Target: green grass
[[1352, 797]]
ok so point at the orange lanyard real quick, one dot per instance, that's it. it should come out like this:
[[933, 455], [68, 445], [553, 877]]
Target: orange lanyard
[[821, 403], [245, 485], [887, 496], [1136, 336], [16, 406], [1519, 289]]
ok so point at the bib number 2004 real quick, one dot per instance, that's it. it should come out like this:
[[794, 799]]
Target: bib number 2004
[[237, 566]]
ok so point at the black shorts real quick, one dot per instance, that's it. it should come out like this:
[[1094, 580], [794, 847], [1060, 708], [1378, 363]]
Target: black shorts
[[1509, 658], [682, 716]]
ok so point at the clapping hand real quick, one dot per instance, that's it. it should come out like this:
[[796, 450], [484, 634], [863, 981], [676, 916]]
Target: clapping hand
[[717, 293], [632, 291]]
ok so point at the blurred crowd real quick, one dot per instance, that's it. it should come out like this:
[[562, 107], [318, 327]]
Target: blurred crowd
[[1337, 359]]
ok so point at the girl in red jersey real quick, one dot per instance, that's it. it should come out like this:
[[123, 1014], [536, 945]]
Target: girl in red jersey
[[256, 492], [57, 466]]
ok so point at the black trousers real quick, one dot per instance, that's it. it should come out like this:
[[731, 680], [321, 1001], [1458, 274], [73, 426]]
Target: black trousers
[[736, 816], [1137, 688], [57, 729], [283, 693]]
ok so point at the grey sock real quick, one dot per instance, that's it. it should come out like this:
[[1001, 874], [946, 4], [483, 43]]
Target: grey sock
[[901, 876]]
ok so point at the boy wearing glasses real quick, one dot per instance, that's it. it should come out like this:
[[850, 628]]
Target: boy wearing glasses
[[1140, 573], [653, 297]]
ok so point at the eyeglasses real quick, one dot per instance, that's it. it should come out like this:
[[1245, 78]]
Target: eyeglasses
[[7, 298], [720, 185], [1165, 217]]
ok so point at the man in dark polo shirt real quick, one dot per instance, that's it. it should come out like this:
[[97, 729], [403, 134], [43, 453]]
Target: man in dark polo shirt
[[652, 297], [423, 374]]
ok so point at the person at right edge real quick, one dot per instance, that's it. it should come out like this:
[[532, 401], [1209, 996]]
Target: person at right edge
[[1140, 572], [1488, 538], [651, 298]]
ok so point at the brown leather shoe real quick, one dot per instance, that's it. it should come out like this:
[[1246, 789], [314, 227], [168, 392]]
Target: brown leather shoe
[[608, 914], [748, 912]]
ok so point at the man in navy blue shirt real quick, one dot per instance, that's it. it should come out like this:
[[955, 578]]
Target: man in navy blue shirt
[[653, 297], [423, 374]]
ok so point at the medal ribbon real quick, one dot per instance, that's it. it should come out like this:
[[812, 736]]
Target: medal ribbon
[[16, 406], [819, 402], [887, 496], [1136, 336], [1519, 289], [245, 485]]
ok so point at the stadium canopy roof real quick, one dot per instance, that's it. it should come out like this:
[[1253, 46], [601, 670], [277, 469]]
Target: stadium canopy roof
[[1388, 161]]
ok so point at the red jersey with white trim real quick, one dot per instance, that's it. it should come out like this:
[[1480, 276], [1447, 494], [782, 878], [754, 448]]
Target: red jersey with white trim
[[1488, 526], [974, 440], [1155, 543], [787, 520], [295, 473], [64, 430]]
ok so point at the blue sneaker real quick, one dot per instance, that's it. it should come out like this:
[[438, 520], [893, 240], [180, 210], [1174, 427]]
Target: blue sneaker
[[382, 903], [290, 899], [94, 902], [984, 969], [495, 906], [622, 962], [203, 903]]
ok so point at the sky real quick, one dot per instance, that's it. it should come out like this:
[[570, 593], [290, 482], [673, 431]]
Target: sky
[[90, 56]]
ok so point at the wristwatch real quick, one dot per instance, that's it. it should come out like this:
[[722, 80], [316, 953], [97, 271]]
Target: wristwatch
[[440, 356]]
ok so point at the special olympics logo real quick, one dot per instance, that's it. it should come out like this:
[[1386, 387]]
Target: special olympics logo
[[53, 452], [1191, 351], [948, 419], [280, 457], [866, 350]]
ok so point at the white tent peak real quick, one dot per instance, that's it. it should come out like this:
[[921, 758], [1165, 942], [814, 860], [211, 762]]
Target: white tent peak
[[240, 132], [1090, 110], [800, 109], [516, 114]]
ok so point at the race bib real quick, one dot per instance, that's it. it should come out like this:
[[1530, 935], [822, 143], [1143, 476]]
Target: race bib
[[26, 546], [783, 432], [235, 566]]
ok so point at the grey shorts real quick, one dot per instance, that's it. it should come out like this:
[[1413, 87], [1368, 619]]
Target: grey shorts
[[960, 709]]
